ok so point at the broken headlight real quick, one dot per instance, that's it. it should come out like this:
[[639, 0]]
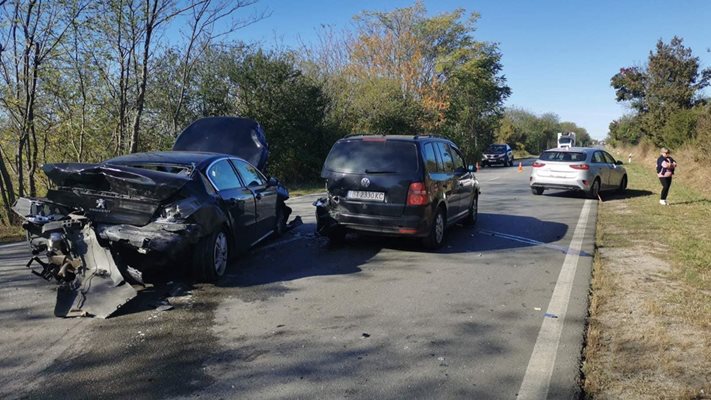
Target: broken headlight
[[178, 211]]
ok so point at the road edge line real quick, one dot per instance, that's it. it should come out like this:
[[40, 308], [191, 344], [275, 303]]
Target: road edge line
[[539, 371]]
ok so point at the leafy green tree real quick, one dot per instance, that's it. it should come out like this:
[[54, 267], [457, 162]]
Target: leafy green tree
[[291, 107], [626, 129], [672, 81]]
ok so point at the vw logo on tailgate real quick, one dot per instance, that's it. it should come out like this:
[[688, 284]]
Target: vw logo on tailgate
[[365, 182]]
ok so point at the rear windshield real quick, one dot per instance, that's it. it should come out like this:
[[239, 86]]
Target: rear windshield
[[562, 156], [363, 156], [496, 148], [565, 140]]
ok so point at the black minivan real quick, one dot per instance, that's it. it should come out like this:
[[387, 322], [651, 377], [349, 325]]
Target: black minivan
[[411, 186]]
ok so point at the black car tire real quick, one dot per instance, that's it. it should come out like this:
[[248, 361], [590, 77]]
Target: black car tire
[[280, 221], [435, 238], [623, 185], [473, 214], [537, 191], [211, 256], [594, 191]]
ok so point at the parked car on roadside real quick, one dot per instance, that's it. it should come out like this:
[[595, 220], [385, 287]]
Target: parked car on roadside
[[195, 206], [408, 186], [497, 154], [590, 170]]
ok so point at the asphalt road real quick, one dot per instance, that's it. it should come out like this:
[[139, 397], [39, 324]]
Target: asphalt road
[[498, 311]]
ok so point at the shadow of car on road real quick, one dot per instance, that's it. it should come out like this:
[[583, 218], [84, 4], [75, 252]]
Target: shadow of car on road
[[605, 196]]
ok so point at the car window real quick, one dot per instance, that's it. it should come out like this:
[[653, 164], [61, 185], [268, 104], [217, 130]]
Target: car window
[[223, 176], [608, 158], [428, 153], [458, 159], [598, 158], [447, 160], [565, 156], [249, 174], [372, 156]]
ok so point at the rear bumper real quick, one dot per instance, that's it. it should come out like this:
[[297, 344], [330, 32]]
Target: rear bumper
[[560, 183], [165, 238], [413, 223]]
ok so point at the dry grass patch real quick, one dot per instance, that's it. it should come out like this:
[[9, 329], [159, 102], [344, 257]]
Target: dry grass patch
[[649, 333]]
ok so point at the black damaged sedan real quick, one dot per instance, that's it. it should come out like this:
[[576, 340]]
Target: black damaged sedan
[[117, 220]]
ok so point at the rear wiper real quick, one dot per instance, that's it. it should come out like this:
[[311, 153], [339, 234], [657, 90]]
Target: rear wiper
[[369, 171]]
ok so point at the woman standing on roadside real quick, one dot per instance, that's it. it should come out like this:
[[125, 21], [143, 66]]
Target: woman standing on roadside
[[665, 170]]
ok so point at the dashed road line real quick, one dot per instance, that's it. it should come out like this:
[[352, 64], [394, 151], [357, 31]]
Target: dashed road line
[[562, 249]]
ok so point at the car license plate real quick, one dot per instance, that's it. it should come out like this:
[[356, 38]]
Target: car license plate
[[370, 196]]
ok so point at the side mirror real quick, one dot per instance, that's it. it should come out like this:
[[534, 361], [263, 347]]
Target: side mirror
[[619, 162], [471, 168], [273, 181]]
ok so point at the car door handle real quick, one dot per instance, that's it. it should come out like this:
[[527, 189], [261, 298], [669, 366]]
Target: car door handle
[[258, 196]]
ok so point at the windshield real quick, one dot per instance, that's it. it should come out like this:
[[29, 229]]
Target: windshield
[[496, 148], [564, 156], [565, 140], [372, 157]]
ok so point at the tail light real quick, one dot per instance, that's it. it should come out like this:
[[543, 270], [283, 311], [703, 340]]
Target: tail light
[[417, 194], [580, 166], [538, 164]]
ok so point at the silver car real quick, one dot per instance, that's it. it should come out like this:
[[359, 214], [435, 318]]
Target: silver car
[[577, 168]]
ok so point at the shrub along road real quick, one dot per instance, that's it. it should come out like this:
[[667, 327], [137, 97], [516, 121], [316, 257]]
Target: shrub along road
[[500, 309]]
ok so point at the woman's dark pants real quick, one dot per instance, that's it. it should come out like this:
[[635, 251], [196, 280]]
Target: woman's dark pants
[[666, 183]]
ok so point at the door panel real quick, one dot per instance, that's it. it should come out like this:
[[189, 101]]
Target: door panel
[[602, 168], [265, 197], [237, 200], [451, 187]]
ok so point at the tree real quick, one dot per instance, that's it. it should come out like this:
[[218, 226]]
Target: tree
[[290, 106], [671, 81], [35, 30]]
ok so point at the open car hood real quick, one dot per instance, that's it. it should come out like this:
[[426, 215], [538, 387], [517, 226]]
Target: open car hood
[[241, 137]]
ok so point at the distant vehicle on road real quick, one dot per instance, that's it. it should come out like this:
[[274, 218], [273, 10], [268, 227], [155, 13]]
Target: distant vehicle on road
[[410, 186], [498, 154], [590, 170], [566, 139]]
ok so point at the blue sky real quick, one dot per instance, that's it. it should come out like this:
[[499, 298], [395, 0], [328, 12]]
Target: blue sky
[[558, 56]]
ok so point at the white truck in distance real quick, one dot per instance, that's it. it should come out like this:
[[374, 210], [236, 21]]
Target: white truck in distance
[[566, 139]]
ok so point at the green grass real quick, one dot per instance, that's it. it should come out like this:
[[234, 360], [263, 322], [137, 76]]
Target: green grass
[[678, 233], [648, 328]]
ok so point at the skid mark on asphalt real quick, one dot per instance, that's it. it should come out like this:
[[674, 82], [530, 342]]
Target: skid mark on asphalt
[[537, 379], [562, 249]]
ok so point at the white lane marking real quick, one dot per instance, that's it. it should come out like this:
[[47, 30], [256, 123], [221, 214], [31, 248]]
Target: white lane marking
[[14, 244], [537, 379], [493, 179], [563, 249]]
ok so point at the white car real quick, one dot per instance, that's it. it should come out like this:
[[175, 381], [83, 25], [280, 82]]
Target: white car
[[577, 168]]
